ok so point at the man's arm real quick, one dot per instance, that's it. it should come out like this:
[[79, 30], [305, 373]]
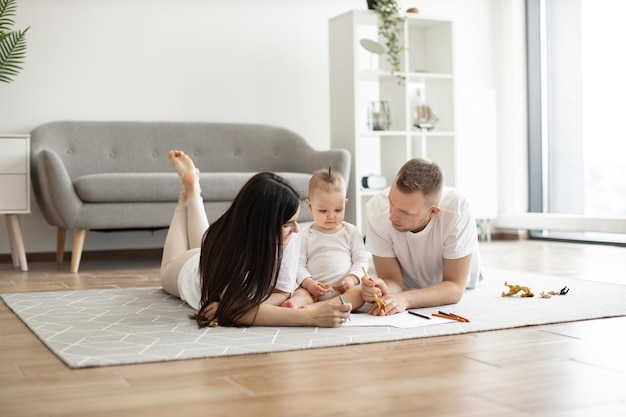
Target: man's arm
[[448, 291], [389, 270]]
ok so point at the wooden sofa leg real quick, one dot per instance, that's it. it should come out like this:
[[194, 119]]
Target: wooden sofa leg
[[77, 249], [60, 244]]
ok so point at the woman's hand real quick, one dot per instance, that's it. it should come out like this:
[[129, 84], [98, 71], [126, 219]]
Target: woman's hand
[[210, 312], [329, 314]]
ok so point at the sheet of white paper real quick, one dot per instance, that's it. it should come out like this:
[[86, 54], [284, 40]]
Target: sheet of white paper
[[402, 320]]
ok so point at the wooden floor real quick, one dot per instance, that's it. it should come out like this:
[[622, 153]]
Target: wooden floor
[[573, 369]]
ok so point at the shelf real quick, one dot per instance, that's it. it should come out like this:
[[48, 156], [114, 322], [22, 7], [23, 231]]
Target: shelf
[[425, 76], [368, 192], [433, 133], [358, 77], [411, 77], [382, 133], [374, 75], [378, 133], [420, 21]]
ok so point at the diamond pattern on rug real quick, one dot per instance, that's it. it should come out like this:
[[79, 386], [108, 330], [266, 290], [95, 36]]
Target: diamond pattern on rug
[[88, 328]]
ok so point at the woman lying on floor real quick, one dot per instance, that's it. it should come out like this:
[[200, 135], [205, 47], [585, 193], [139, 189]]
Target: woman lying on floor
[[243, 268]]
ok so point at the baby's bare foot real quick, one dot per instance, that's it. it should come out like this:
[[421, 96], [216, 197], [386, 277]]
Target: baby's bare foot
[[189, 174]]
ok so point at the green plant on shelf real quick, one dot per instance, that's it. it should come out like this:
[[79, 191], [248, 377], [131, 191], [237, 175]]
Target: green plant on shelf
[[390, 28]]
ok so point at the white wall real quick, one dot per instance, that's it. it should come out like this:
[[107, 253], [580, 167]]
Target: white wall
[[230, 61]]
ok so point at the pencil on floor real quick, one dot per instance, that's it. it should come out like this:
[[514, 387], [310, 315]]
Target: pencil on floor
[[415, 313], [462, 318], [456, 316], [447, 316]]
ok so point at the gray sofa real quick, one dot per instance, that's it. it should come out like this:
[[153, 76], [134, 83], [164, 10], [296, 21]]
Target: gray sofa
[[116, 175]]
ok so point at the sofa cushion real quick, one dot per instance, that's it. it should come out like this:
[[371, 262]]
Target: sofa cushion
[[138, 187]]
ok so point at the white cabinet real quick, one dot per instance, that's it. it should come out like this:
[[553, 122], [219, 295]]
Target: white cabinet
[[358, 78], [15, 190]]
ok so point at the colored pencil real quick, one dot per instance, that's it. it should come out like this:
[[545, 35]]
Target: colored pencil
[[456, 315], [381, 304], [447, 316], [343, 302], [365, 272], [419, 315]]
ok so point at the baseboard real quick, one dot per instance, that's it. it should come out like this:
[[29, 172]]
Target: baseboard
[[509, 235], [156, 253], [89, 255]]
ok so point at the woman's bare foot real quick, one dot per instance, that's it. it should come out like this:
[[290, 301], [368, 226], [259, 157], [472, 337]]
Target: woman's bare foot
[[189, 174], [290, 304]]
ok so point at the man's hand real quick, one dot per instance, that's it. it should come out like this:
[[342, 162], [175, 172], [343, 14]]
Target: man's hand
[[394, 303], [374, 290], [373, 285]]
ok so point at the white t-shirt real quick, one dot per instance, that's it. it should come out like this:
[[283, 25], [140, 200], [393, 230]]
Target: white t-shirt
[[189, 286], [328, 258], [451, 234]]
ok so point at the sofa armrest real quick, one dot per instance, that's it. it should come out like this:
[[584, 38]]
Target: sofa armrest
[[54, 191]]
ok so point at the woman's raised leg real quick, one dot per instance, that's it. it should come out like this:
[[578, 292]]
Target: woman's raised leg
[[188, 224]]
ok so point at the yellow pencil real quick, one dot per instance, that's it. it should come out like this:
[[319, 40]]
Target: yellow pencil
[[381, 304]]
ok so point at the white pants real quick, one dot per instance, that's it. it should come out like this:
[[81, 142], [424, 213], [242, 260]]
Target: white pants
[[183, 240]]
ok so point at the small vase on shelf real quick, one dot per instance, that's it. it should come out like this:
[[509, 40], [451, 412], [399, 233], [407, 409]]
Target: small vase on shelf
[[425, 119], [378, 116]]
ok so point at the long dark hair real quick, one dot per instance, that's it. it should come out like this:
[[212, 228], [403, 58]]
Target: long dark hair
[[242, 251]]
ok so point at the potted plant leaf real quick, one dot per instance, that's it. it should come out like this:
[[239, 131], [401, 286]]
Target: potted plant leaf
[[390, 28], [12, 43]]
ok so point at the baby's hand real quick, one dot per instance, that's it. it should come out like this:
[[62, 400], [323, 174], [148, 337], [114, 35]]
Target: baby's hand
[[347, 282], [315, 288]]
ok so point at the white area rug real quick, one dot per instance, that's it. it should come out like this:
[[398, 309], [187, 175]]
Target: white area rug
[[137, 325]]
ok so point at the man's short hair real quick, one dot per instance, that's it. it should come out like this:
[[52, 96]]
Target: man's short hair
[[420, 174]]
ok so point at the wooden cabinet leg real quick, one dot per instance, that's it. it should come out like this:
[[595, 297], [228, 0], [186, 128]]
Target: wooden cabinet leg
[[60, 243], [14, 257], [14, 229], [77, 248]]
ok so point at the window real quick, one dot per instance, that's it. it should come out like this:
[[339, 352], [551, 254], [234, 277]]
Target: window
[[576, 93]]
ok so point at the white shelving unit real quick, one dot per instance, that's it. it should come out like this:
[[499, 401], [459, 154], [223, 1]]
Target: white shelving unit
[[358, 77]]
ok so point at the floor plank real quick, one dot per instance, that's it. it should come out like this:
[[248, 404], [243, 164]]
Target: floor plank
[[569, 369]]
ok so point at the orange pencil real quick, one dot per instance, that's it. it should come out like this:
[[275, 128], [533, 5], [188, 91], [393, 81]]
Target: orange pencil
[[462, 318], [451, 314], [443, 316]]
